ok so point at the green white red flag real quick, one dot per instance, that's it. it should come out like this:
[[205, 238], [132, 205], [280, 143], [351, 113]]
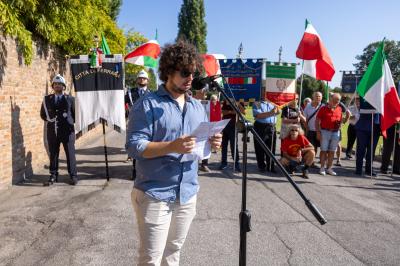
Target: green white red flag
[[378, 89], [145, 55], [104, 45], [317, 62]]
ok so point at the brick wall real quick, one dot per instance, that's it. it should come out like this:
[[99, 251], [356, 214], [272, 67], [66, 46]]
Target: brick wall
[[22, 88]]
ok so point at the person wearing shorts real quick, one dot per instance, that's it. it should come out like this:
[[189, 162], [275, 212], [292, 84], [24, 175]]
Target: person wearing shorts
[[328, 124], [297, 150]]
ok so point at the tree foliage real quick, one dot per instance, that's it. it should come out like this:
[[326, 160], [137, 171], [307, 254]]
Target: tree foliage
[[310, 85], [114, 8], [392, 51], [191, 24], [68, 24]]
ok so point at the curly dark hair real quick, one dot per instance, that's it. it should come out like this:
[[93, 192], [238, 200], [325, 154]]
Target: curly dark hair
[[178, 56]]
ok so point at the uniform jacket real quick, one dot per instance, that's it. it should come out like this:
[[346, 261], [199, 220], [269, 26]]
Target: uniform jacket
[[61, 118]]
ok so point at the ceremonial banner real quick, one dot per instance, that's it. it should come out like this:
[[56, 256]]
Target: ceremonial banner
[[244, 77], [280, 85], [99, 92], [350, 80]]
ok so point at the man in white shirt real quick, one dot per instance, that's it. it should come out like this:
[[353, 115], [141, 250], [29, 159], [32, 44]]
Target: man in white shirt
[[310, 112]]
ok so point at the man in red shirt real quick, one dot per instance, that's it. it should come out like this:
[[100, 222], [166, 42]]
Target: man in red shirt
[[327, 125], [296, 149]]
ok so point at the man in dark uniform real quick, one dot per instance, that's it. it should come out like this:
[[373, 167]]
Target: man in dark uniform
[[58, 110], [131, 96], [265, 115], [363, 132], [391, 142], [228, 136]]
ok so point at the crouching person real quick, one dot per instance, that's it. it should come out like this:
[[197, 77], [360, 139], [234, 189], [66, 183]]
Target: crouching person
[[297, 150]]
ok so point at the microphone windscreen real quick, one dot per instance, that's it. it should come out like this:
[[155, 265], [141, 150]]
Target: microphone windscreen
[[198, 84]]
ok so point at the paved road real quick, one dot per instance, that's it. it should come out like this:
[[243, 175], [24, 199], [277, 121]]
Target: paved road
[[93, 223]]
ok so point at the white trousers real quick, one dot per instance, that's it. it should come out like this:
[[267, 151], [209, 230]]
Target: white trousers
[[163, 228]]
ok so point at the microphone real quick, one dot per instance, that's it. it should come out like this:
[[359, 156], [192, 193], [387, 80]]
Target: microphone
[[200, 83]]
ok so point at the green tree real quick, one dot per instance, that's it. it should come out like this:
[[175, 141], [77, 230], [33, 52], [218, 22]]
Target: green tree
[[70, 25], [392, 51], [310, 85], [133, 40], [114, 8], [191, 24]]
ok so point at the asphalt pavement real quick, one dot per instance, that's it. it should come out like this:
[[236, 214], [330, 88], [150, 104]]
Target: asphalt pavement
[[93, 223]]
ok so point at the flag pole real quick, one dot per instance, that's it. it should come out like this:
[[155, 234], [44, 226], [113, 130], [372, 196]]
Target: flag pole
[[372, 142], [301, 84]]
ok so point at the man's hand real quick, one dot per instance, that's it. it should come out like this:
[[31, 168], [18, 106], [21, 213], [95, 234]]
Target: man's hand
[[183, 144], [216, 141]]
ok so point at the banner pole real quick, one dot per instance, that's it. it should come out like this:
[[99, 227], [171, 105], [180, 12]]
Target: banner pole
[[105, 149]]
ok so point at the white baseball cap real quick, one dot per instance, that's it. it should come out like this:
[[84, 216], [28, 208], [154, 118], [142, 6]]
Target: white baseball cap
[[143, 74]]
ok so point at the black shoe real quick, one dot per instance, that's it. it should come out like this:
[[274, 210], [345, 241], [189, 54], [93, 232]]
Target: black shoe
[[51, 181], [74, 180], [305, 174], [273, 170], [358, 173], [262, 170], [223, 166], [338, 163]]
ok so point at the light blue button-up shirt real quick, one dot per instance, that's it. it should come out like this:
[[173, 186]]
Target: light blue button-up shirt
[[263, 107], [156, 117]]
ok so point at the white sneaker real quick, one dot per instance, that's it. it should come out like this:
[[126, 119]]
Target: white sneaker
[[322, 171], [330, 171]]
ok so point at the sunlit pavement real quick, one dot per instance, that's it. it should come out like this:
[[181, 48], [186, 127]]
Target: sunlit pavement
[[93, 223]]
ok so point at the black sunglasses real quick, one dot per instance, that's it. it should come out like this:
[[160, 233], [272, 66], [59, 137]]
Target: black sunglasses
[[186, 73], [294, 130]]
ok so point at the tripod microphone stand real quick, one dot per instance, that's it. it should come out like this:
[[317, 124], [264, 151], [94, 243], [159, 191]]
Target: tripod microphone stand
[[245, 216]]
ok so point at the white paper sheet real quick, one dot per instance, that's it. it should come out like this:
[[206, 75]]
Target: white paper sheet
[[203, 132]]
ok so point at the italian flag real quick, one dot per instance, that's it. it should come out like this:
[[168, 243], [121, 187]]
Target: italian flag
[[145, 55], [241, 80], [317, 62], [378, 89]]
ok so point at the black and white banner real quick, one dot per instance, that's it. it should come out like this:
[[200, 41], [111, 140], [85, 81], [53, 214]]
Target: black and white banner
[[99, 92]]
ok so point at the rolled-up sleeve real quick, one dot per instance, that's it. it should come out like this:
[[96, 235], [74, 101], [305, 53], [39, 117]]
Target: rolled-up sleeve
[[140, 128]]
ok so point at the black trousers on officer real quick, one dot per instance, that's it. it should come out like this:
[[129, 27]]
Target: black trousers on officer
[[364, 148], [228, 136], [351, 138], [267, 133], [68, 143], [388, 144]]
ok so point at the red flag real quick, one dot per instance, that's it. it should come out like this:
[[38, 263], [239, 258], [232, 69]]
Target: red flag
[[317, 62]]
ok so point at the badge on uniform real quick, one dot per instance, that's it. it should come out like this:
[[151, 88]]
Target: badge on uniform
[[65, 115]]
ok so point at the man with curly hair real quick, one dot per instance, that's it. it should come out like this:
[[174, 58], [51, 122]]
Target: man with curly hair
[[165, 189]]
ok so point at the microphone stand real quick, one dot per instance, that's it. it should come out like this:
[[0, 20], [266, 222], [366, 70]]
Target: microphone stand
[[245, 215]]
